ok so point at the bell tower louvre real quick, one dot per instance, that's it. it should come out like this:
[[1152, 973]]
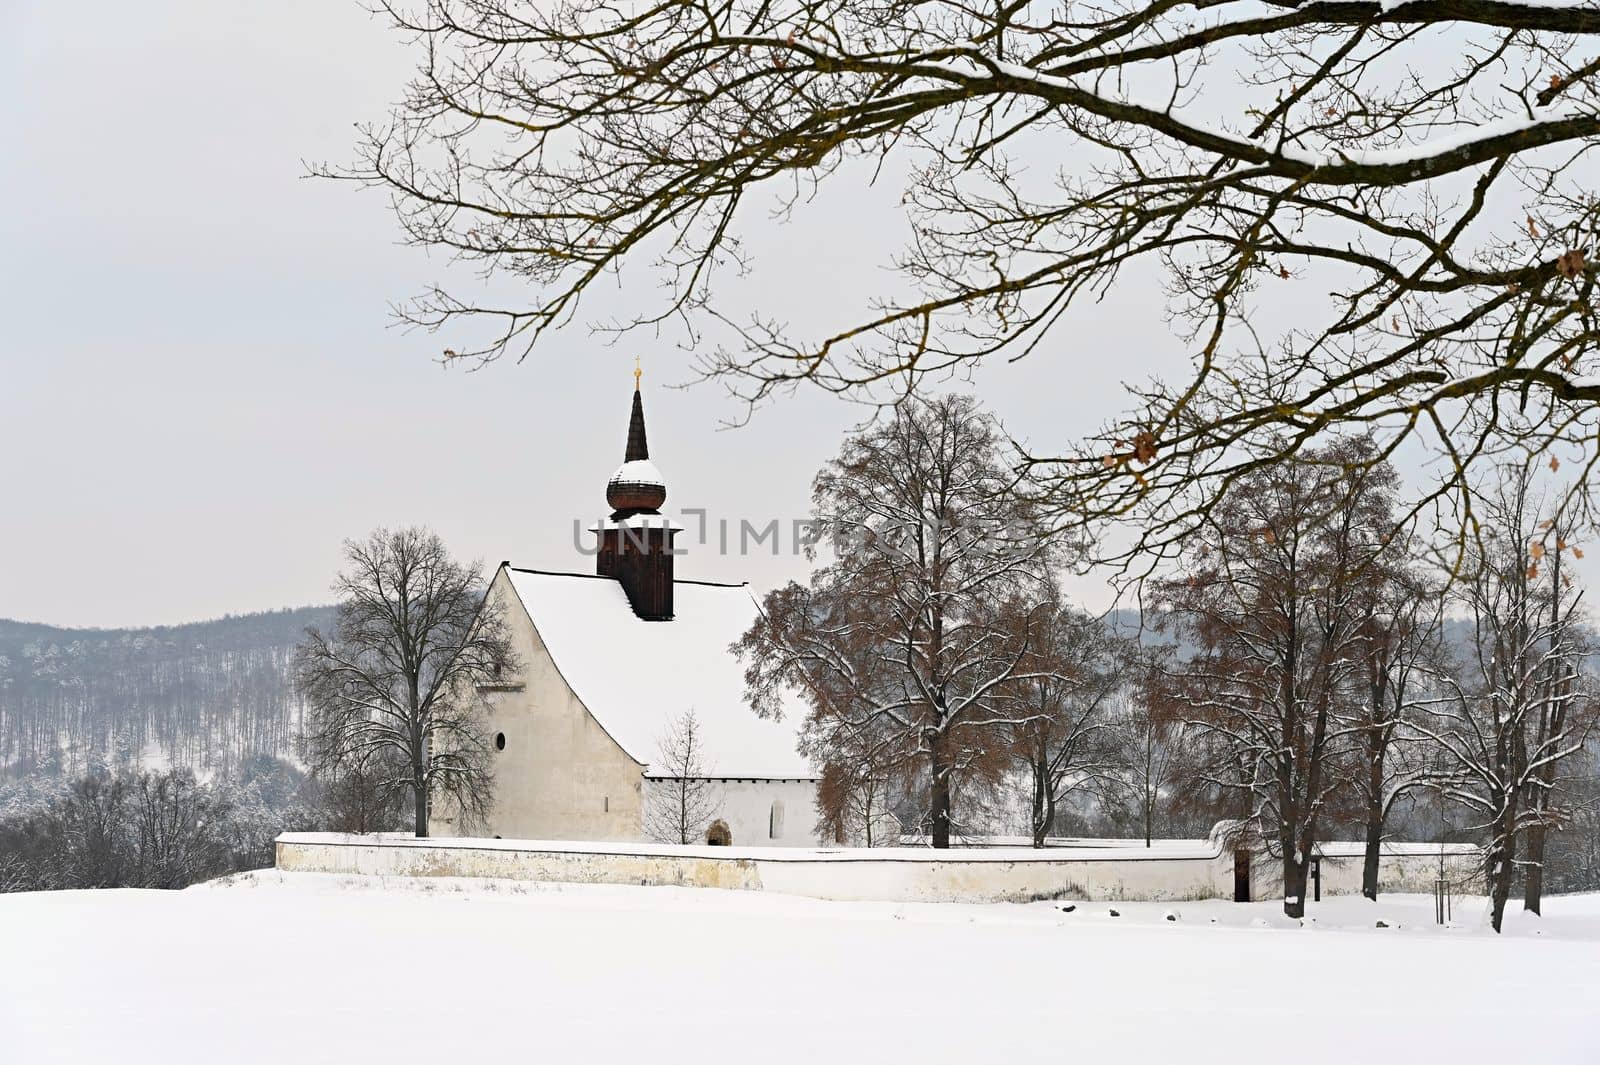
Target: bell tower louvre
[[635, 543]]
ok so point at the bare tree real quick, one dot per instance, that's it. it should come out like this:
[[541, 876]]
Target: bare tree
[[1149, 735], [393, 688], [90, 823], [173, 825], [357, 795], [1271, 596], [1073, 669], [898, 641], [1574, 850], [1569, 707], [1421, 161], [1397, 641], [1507, 719], [682, 799], [145, 830]]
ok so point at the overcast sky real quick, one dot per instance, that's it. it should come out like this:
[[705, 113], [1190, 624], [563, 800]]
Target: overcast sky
[[202, 394]]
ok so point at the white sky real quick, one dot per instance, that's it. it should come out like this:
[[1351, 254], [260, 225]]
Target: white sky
[[201, 393]]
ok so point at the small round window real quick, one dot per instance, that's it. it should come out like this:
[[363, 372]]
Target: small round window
[[499, 741]]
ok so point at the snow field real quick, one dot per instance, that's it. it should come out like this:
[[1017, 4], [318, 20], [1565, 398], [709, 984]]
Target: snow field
[[273, 967]]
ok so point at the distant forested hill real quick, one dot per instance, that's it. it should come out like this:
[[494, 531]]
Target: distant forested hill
[[208, 696]]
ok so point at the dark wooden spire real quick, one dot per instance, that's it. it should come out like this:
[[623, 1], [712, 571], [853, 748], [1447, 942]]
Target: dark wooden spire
[[638, 446]]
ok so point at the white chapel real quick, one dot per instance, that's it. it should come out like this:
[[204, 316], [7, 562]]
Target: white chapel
[[605, 662]]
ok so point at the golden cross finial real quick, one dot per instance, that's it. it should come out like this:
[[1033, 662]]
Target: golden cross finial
[[637, 373]]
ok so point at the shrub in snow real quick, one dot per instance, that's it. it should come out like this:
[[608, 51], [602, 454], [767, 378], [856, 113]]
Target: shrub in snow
[[151, 830]]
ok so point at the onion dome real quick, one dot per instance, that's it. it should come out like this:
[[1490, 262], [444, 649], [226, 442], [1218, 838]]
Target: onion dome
[[637, 487]]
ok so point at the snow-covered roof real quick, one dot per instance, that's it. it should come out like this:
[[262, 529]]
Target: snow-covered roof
[[638, 471], [635, 676]]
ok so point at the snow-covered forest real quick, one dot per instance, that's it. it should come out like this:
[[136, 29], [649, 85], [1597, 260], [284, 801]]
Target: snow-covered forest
[[150, 757], [208, 696]]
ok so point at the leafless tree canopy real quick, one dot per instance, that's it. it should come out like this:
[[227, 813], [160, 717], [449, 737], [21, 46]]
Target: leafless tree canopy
[[1410, 179], [681, 798], [1518, 702], [1152, 752], [1398, 638], [392, 690], [148, 829]]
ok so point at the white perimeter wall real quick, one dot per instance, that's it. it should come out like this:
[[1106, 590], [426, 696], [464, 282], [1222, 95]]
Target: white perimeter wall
[[1402, 867], [745, 806], [1175, 871]]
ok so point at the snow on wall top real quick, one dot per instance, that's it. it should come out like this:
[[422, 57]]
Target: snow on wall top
[[1164, 850], [635, 676], [1064, 850]]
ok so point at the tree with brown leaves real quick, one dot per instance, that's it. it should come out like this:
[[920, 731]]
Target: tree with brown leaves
[[1272, 596], [1075, 671], [896, 644]]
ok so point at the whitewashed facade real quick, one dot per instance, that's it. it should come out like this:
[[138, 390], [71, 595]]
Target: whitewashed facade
[[576, 729]]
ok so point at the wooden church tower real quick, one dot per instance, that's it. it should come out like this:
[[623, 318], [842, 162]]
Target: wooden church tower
[[636, 542]]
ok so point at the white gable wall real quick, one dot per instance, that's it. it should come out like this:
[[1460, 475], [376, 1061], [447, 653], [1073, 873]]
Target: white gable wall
[[560, 776]]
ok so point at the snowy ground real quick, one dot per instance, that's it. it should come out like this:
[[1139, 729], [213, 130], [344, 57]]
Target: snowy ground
[[304, 967]]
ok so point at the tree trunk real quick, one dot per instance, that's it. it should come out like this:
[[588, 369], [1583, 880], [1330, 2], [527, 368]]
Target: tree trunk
[[419, 793], [1040, 819], [939, 799], [683, 811], [1377, 741], [1533, 870], [1369, 866], [1294, 884], [1502, 870]]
